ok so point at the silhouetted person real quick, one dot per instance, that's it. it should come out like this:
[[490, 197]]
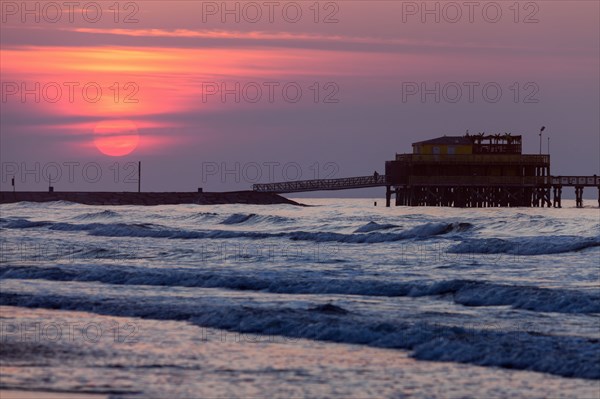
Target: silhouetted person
[[376, 176], [595, 179]]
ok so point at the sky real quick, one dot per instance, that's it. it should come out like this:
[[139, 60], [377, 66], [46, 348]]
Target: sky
[[221, 95]]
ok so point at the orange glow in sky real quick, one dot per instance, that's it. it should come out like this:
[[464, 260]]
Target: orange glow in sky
[[173, 76]]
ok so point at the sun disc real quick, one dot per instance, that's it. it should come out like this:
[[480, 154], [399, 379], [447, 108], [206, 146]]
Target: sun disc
[[116, 137]]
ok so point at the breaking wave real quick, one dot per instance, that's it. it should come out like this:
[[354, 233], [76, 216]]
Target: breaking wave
[[18, 223], [148, 230], [237, 218], [106, 214], [566, 356], [373, 226], [526, 245], [463, 292]]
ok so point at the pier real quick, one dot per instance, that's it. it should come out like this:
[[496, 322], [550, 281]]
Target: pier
[[460, 171]]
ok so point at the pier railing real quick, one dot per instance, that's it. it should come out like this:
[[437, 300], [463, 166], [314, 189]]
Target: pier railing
[[589, 181], [321, 184], [458, 181], [516, 159]]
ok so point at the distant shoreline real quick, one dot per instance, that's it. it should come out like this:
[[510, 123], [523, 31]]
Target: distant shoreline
[[149, 198]]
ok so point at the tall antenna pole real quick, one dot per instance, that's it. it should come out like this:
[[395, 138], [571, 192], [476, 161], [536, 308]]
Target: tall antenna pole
[[548, 145], [139, 176]]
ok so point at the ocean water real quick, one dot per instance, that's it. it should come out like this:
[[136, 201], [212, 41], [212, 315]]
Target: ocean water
[[337, 299]]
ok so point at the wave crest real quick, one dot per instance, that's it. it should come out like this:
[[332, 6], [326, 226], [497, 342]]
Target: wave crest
[[526, 245], [463, 292], [561, 355]]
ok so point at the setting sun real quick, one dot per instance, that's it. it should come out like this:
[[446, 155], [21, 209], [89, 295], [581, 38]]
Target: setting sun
[[116, 137]]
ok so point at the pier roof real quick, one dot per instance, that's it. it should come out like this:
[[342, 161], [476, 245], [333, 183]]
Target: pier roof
[[447, 140]]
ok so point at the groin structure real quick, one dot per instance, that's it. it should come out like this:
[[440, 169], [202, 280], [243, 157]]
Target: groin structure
[[146, 198]]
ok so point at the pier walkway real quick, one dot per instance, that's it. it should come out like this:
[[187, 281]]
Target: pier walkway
[[544, 185], [297, 186]]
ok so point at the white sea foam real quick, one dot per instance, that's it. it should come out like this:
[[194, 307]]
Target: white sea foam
[[562, 355]]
